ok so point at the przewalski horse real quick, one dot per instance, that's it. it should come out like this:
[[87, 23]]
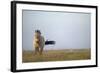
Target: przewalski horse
[[39, 42]]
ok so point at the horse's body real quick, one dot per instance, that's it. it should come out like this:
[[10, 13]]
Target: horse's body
[[39, 43]]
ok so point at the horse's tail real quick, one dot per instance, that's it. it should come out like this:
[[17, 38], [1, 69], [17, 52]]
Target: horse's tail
[[49, 42]]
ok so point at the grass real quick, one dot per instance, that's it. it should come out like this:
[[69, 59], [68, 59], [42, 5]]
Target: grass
[[56, 55]]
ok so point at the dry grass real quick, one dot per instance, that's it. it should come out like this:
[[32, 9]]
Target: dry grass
[[56, 55]]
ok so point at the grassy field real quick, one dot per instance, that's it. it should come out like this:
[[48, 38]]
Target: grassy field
[[56, 55]]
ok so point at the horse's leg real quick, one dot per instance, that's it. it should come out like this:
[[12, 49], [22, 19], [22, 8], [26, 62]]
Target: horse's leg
[[36, 50], [41, 50]]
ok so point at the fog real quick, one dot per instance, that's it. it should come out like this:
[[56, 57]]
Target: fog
[[67, 29]]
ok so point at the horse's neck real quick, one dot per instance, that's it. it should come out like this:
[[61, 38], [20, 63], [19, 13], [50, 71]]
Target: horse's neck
[[39, 37]]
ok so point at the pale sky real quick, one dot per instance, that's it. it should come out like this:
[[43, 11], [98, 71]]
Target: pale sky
[[69, 30]]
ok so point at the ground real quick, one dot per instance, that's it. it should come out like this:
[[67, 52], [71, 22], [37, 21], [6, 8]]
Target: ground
[[56, 55]]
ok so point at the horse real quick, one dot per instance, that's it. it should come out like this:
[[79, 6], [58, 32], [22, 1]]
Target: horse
[[39, 42]]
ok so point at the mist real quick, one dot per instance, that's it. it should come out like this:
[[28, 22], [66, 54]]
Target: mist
[[67, 29]]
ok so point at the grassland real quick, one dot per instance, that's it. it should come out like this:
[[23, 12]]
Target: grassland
[[56, 55]]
